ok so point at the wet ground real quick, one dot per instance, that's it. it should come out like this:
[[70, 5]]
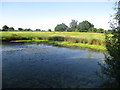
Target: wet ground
[[42, 66]]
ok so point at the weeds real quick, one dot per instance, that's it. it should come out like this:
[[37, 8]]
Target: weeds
[[70, 37]]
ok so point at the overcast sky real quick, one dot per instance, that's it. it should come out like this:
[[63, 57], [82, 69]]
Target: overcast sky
[[36, 14]]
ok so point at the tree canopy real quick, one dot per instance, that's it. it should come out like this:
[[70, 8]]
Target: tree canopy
[[84, 26], [61, 27], [74, 26], [5, 28], [110, 70]]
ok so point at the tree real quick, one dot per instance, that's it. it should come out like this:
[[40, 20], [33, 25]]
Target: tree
[[20, 29], [109, 31], [73, 25], [61, 27], [100, 30], [85, 26], [37, 30], [69, 29], [27, 29], [11, 29], [49, 30], [111, 68], [92, 29], [5, 28]]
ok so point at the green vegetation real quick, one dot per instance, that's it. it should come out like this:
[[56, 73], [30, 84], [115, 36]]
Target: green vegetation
[[110, 68], [74, 26], [65, 44], [61, 27], [79, 39]]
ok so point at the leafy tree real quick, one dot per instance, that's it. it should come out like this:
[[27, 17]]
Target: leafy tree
[[109, 31], [61, 27], [37, 30], [49, 30], [111, 68], [85, 26], [76, 30], [92, 29], [27, 29], [5, 28], [73, 25], [20, 29], [11, 29], [100, 30], [69, 29]]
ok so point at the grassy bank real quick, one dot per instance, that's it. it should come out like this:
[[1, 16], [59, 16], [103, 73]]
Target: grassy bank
[[66, 44], [91, 40]]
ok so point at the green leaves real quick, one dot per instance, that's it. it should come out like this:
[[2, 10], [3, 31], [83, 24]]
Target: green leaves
[[61, 27]]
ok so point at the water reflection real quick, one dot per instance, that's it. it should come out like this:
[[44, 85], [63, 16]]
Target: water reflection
[[42, 66]]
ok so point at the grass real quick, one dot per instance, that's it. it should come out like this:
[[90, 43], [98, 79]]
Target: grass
[[37, 34], [79, 39], [64, 43]]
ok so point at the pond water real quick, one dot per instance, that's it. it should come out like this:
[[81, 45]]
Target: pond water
[[43, 66]]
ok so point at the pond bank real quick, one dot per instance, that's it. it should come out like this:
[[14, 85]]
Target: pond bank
[[95, 41], [65, 44]]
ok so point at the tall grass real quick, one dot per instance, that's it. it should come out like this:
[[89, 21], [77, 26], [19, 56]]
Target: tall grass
[[70, 37], [73, 37], [80, 39]]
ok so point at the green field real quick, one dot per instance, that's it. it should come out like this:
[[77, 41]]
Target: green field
[[80, 39]]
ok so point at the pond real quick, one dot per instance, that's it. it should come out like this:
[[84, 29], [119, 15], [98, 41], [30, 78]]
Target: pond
[[42, 66]]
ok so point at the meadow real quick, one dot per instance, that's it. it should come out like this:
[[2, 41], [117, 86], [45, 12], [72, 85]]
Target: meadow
[[79, 39]]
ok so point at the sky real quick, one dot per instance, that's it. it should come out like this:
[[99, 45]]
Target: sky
[[36, 14]]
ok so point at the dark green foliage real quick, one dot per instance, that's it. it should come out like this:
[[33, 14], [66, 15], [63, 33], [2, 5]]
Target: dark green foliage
[[27, 29], [73, 26], [61, 27], [20, 29], [5, 28], [111, 68], [11, 29], [84, 26], [100, 30], [37, 30], [49, 30], [14, 37], [109, 31], [92, 29], [69, 29]]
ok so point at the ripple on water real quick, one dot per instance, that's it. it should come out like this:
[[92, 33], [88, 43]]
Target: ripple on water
[[48, 66]]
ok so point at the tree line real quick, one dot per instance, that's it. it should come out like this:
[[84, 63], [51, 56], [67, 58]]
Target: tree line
[[74, 26], [84, 26]]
